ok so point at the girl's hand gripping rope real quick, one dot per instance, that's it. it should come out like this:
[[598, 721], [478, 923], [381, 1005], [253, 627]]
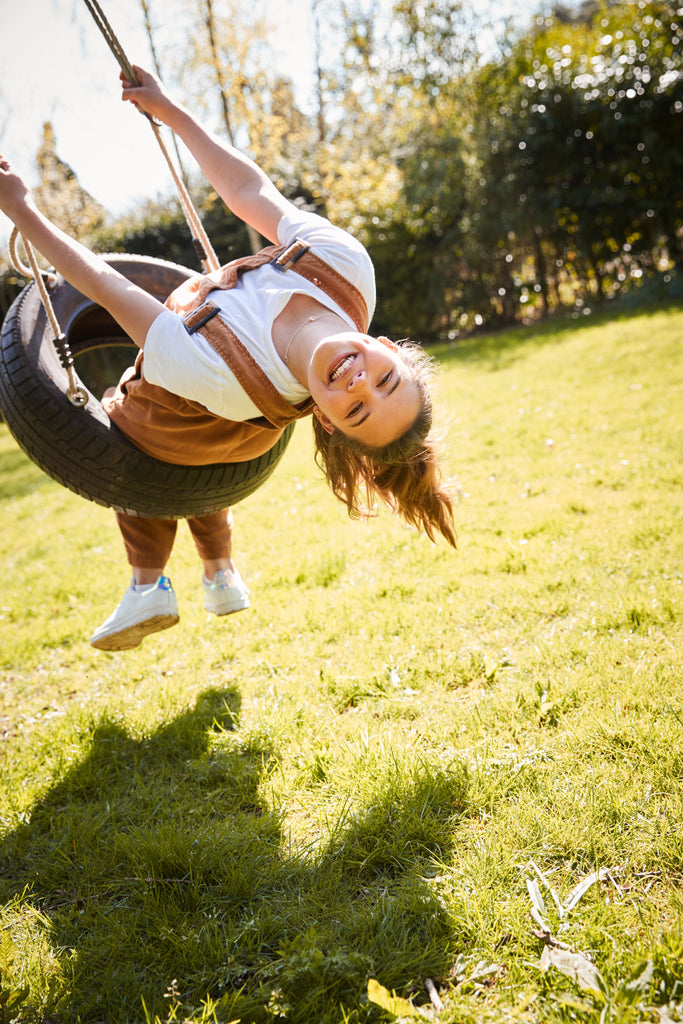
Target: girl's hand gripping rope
[[148, 95], [14, 194]]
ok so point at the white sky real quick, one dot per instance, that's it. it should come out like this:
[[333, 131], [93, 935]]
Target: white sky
[[56, 66]]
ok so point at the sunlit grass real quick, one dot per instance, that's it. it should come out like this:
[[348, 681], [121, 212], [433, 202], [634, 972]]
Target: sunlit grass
[[247, 819]]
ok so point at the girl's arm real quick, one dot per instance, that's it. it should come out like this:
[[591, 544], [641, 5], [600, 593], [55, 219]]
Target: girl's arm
[[133, 308], [244, 188]]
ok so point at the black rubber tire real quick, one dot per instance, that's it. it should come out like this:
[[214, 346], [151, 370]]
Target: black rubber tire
[[80, 447]]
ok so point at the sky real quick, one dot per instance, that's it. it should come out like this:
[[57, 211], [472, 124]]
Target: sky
[[56, 66]]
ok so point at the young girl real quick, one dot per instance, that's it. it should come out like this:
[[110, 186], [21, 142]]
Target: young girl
[[234, 356]]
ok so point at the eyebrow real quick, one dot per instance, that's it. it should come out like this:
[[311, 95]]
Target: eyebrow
[[391, 390]]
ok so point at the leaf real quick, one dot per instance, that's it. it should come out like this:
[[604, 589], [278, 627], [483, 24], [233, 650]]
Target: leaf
[[537, 904], [10, 1001], [664, 1015], [17, 997], [490, 668], [584, 885], [6, 951], [535, 895], [575, 966], [481, 971], [389, 1001], [639, 982], [549, 887]]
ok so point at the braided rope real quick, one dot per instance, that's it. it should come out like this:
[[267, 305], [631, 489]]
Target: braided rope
[[200, 239], [76, 393], [19, 264]]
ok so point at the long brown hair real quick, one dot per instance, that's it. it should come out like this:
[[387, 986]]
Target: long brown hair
[[405, 474]]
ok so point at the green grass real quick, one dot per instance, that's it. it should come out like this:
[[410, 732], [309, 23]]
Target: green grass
[[369, 774]]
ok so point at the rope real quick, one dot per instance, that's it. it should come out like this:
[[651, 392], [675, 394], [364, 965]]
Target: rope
[[200, 239], [76, 393], [155, 60], [19, 264]]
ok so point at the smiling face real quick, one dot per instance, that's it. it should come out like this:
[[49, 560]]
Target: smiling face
[[362, 387]]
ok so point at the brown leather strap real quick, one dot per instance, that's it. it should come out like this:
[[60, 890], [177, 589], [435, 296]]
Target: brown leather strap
[[341, 291], [288, 257], [249, 375], [199, 316], [195, 291]]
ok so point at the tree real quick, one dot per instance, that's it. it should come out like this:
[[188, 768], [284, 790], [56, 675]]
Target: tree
[[430, 68], [351, 172], [228, 70], [64, 200], [61, 196], [585, 131]]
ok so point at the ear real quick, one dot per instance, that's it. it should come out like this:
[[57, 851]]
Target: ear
[[323, 420]]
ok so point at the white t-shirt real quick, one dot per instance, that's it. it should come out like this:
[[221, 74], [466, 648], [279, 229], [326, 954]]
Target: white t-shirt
[[187, 365]]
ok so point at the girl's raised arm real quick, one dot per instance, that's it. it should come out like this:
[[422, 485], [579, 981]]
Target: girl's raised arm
[[244, 188]]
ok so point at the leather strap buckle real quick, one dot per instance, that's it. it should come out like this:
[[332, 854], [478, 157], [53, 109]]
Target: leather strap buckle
[[290, 255], [199, 316]]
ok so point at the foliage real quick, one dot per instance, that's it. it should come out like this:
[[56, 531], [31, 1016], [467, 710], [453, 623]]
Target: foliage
[[63, 199], [436, 40], [161, 231], [489, 187], [549, 175], [303, 812], [10, 999], [11, 284], [585, 129], [227, 68], [380, 164]]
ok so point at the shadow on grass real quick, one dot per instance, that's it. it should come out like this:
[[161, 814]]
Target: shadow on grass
[[163, 880]]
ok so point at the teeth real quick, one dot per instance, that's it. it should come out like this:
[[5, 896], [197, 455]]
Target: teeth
[[341, 369]]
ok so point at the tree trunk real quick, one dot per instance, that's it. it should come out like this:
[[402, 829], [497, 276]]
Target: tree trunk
[[210, 22]]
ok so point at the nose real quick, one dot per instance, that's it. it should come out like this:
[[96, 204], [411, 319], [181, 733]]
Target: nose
[[357, 380]]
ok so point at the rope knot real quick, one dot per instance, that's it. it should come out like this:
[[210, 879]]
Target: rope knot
[[63, 350]]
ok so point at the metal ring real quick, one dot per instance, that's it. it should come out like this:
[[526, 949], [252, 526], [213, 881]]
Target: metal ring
[[78, 397]]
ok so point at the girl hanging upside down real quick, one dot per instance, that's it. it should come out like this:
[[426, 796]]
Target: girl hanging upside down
[[236, 355]]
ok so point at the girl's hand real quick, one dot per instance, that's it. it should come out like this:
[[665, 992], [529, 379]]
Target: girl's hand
[[14, 195], [148, 94]]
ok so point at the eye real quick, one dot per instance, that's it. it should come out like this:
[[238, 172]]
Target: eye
[[385, 380], [355, 410]]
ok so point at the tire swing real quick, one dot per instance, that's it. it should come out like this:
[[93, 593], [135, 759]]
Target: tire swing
[[64, 429], [62, 426]]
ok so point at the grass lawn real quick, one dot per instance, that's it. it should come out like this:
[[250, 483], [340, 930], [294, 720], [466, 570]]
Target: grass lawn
[[407, 782]]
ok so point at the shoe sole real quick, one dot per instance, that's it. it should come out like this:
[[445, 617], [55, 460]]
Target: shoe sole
[[228, 611], [133, 635]]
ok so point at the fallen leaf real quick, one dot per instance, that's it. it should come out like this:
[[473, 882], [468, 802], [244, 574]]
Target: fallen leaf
[[640, 982], [575, 966], [389, 1001]]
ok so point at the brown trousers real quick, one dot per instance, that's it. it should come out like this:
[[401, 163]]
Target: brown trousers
[[149, 542]]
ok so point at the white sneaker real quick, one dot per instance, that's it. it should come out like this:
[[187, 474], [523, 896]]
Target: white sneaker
[[226, 593], [140, 612]]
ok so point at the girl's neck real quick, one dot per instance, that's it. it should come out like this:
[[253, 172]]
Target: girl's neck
[[301, 343]]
